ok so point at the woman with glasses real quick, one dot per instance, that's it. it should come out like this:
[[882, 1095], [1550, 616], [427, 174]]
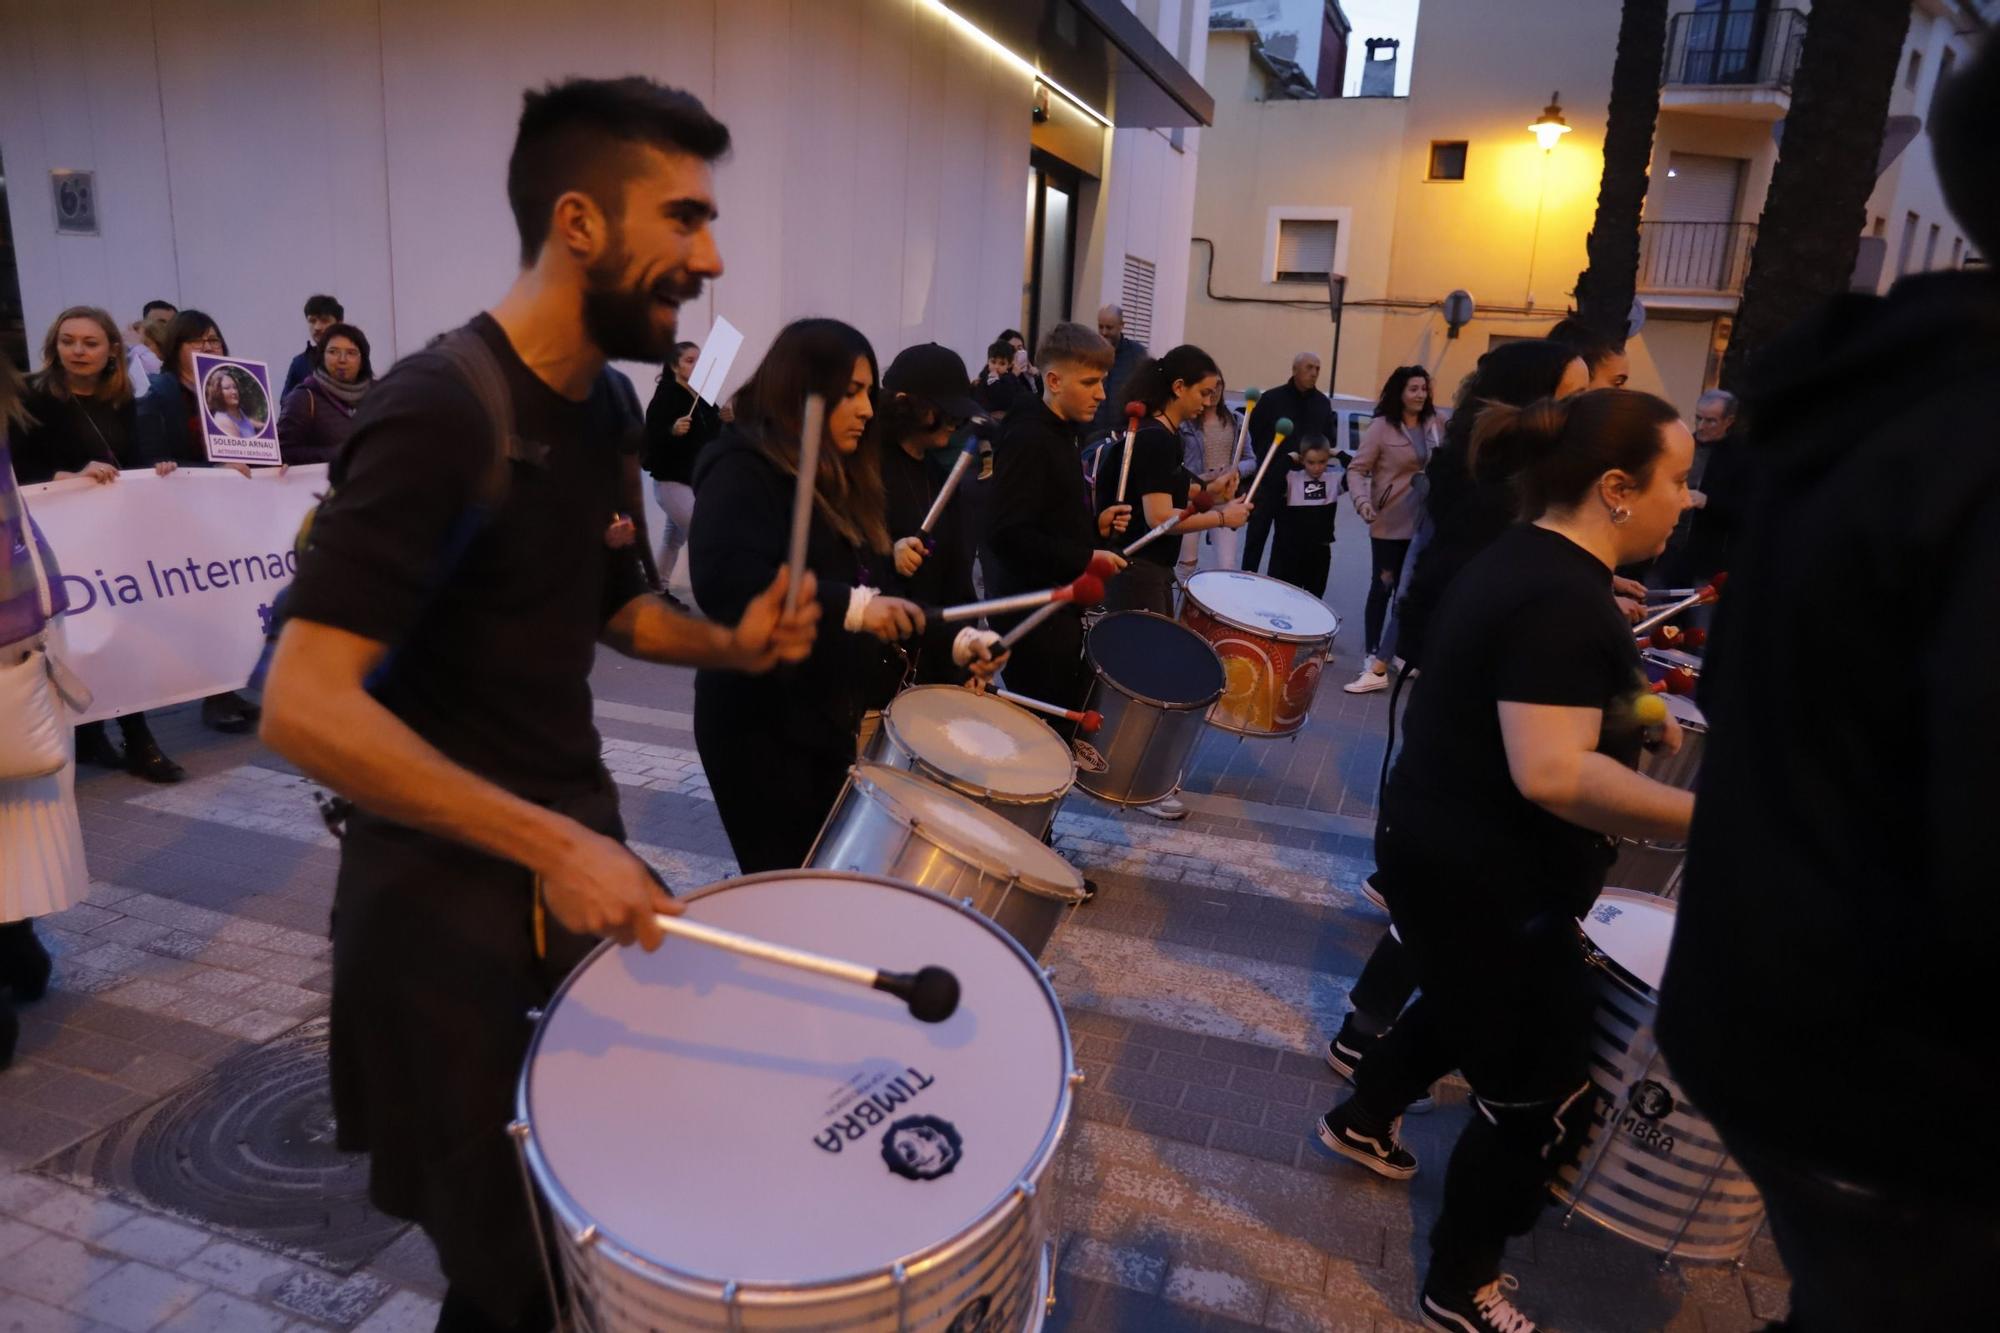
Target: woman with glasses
[[170, 437], [316, 416]]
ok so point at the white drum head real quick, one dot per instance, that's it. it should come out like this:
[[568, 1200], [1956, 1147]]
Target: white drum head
[[1634, 931], [981, 741], [1686, 711], [728, 1119], [972, 832], [1262, 605]]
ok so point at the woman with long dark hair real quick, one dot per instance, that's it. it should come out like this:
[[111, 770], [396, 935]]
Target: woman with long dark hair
[[1517, 771], [318, 414], [84, 420], [679, 425], [1385, 481], [776, 748], [1174, 389]]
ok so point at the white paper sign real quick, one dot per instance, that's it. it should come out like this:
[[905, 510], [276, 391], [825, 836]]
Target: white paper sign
[[170, 579], [239, 413], [711, 368]]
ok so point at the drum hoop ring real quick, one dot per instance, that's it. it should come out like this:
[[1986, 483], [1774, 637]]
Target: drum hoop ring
[[1150, 702], [965, 787], [1261, 631], [872, 790], [995, 1214]]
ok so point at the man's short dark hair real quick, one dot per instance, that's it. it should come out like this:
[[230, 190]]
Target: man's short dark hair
[[579, 135], [1002, 350], [323, 305], [1964, 122], [1593, 346], [146, 310], [1072, 344]]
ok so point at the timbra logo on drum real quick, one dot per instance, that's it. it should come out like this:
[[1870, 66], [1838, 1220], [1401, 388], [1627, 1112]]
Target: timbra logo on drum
[[1646, 1106], [1088, 757], [868, 1101]]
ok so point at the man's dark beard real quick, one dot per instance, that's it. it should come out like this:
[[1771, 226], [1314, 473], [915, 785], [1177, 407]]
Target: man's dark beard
[[620, 319]]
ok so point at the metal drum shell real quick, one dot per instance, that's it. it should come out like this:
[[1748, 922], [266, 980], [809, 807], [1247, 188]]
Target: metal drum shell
[[1032, 814], [1279, 652], [1664, 1180], [870, 833], [1145, 743], [1007, 1258], [1654, 865]]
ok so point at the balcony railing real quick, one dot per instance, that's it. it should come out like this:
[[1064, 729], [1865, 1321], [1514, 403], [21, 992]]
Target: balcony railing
[[1709, 258], [1735, 48]]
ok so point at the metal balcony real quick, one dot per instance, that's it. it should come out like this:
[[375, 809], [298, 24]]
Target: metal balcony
[[1695, 258], [1733, 62]]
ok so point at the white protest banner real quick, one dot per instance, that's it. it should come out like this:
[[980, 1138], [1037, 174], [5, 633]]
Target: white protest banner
[[711, 368], [239, 417], [170, 579]]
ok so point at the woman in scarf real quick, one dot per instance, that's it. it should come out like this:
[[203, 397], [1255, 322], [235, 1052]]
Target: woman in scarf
[[316, 416]]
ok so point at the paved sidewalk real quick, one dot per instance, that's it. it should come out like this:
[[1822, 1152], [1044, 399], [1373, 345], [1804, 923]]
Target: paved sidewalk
[[183, 1038]]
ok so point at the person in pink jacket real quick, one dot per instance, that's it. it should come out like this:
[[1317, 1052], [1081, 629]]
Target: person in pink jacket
[[1386, 482]]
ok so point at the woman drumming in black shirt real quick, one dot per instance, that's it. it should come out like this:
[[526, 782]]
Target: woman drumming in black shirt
[[1494, 839], [776, 748], [1173, 389]]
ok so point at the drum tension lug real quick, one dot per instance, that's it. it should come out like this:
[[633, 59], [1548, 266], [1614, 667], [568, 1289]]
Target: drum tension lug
[[587, 1237], [519, 1129], [534, 1015], [1076, 1078]]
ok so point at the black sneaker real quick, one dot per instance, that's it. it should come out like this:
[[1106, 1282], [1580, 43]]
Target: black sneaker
[[1386, 1157], [1344, 1055], [1486, 1310]]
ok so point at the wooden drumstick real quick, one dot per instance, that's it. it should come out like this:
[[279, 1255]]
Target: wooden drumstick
[[1200, 504], [802, 498], [1089, 720], [1100, 567], [1250, 397], [1133, 413], [1084, 591], [1278, 435], [1702, 596], [930, 992], [959, 467]]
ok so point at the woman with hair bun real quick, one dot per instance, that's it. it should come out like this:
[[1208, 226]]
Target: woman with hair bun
[[1517, 770]]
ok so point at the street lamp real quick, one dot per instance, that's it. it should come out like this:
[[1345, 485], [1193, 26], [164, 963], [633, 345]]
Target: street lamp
[[1549, 127]]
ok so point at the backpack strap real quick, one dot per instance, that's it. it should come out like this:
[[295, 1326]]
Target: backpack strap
[[472, 359]]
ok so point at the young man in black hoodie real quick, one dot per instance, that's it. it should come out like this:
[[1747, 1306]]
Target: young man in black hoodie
[[1045, 530], [1828, 1002]]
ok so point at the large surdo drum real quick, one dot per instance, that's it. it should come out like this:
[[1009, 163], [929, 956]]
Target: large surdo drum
[[1272, 638]]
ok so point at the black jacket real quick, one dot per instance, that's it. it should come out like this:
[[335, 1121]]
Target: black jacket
[[1839, 909], [945, 577], [67, 435], [736, 545], [169, 427], [1044, 530], [1466, 517], [1712, 528], [671, 457], [1312, 414]]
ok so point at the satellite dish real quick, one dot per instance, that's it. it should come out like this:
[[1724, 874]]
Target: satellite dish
[[1458, 310]]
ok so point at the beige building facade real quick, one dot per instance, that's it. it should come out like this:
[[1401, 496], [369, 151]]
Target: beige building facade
[[1448, 190]]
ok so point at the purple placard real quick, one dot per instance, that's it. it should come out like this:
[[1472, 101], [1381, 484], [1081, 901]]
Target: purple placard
[[239, 413]]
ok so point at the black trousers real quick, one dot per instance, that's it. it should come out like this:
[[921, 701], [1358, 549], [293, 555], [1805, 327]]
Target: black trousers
[[1303, 565], [1258, 530], [1860, 1263], [1048, 664], [1387, 981], [772, 793], [1507, 998], [1143, 585], [1386, 555]]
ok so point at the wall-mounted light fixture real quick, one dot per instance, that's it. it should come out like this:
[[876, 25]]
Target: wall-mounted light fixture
[[1549, 127]]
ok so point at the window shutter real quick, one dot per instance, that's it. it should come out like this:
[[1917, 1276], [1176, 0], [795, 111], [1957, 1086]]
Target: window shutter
[[1305, 250], [1135, 297]]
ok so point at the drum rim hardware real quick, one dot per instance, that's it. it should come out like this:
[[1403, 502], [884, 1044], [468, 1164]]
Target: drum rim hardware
[[858, 776], [546, 1192], [933, 772], [1098, 670]]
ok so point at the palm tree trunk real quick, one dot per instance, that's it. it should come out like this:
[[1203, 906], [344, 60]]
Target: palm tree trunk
[[1816, 209], [1605, 288]]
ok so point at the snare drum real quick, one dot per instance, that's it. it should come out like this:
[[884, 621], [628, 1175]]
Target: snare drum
[[726, 1143], [984, 748], [889, 822], [1272, 639], [1654, 866], [1653, 1169], [1155, 681]]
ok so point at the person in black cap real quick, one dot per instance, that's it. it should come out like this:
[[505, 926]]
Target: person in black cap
[[927, 407]]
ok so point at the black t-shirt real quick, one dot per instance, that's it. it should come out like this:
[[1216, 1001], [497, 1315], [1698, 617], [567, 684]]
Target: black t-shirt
[[1158, 466], [1531, 620], [491, 647]]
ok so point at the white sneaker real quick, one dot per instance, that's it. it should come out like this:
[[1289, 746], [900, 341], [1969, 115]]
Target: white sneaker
[[1367, 682], [1169, 807]]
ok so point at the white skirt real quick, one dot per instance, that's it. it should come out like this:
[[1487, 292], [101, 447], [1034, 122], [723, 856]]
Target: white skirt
[[41, 842]]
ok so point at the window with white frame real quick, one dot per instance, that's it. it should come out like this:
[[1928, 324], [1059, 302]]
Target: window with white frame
[[1306, 249]]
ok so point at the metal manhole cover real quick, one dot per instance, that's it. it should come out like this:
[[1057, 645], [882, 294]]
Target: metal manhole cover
[[247, 1149]]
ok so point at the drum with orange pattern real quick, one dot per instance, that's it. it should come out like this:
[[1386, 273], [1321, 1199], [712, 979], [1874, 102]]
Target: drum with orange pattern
[[1272, 638]]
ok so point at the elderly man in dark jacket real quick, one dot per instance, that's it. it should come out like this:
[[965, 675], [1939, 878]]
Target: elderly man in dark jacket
[[1838, 911], [1126, 354]]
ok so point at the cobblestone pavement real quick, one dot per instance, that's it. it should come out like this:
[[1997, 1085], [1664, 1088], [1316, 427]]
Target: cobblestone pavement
[[1200, 988]]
